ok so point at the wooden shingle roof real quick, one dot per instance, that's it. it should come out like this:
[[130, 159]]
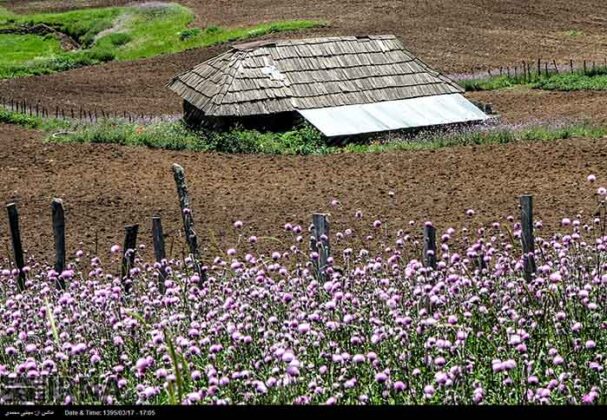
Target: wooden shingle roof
[[270, 77]]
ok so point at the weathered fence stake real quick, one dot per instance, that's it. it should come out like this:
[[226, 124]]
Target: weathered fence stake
[[188, 219], [13, 221], [429, 246], [59, 234], [128, 258], [527, 236], [159, 252], [319, 242]]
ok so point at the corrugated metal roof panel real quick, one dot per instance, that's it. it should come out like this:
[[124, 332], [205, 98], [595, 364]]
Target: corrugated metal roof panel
[[393, 115]]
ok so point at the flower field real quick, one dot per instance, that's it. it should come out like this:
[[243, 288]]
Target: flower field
[[373, 327]]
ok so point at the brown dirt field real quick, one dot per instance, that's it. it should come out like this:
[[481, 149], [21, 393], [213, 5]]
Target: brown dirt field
[[106, 187], [523, 104], [451, 35]]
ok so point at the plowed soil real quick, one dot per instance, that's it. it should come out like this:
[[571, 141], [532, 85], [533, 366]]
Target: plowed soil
[[106, 187], [451, 35]]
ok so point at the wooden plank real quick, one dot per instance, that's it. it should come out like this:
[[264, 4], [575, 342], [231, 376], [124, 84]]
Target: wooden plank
[[188, 219], [13, 221], [128, 258], [319, 242], [527, 236], [159, 250], [59, 235], [429, 257]]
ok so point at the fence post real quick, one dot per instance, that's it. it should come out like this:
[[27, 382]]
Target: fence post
[[59, 234], [188, 219], [527, 236], [556, 67], [429, 246], [128, 257], [159, 252], [319, 242], [13, 221]]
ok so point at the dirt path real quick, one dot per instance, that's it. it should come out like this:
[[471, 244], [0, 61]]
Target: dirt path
[[106, 187]]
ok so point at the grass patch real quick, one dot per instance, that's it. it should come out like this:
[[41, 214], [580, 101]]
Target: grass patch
[[573, 33], [573, 81], [29, 121], [302, 140], [115, 33], [589, 79], [18, 49]]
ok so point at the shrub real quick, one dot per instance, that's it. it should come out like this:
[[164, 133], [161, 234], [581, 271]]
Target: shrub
[[189, 34], [119, 38], [101, 55]]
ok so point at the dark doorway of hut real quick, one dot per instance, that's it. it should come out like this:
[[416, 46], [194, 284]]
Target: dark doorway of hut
[[279, 122]]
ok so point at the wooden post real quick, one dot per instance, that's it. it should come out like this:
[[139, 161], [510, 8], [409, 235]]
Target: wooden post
[[429, 246], [188, 219], [539, 67], [527, 236], [546, 68], [159, 252], [482, 265], [556, 67], [571, 66], [13, 221], [128, 258], [319, 242], [585, 68], [59, 234]]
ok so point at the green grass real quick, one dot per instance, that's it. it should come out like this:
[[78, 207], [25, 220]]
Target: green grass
[[116, 33], [28, 121], [591, 79], [573, 81], [22, 48], [302, 140], [573, 33]]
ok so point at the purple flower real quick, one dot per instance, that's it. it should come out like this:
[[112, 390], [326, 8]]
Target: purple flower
[[429, 391], [381, 377], [399, 386]]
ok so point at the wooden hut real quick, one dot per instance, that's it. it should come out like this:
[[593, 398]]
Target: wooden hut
[[342, 85]]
